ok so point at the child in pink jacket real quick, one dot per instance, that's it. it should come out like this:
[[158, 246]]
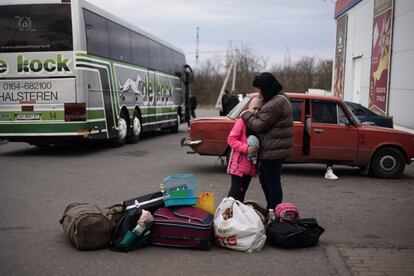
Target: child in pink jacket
[[240, 167]]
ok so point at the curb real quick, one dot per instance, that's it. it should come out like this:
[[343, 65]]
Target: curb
[[335, 258]]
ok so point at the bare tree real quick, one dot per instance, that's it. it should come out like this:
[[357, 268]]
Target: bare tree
[[304, 74], [307, 72]]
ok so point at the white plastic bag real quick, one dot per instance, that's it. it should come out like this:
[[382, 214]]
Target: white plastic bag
[[240, 228]]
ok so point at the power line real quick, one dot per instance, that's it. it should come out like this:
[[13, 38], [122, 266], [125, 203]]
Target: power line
[[205, 52]]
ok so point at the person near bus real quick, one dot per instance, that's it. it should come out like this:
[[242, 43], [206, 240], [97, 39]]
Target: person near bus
[[224, 103], [240, 166], [274, 126], [232, 101], [193, 105]]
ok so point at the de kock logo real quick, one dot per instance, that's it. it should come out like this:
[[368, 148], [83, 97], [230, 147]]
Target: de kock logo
[[24, 23]]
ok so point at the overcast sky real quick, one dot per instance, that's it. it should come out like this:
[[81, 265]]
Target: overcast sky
[[267, 27]]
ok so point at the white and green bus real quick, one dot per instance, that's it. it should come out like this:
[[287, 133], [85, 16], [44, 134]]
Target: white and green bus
[[70, 70]]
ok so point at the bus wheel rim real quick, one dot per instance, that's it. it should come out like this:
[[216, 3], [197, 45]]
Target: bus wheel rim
[[136, 127], [122, 128]]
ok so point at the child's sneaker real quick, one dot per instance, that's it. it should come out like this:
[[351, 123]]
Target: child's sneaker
[[330, 175]]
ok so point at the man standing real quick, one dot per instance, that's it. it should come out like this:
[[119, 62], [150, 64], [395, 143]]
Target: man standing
[[224, 103], [193, 105], [233, 101], [274, 126]]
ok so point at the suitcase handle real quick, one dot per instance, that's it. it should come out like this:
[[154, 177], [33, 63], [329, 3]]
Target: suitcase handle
[[180, 216], [188, 217]]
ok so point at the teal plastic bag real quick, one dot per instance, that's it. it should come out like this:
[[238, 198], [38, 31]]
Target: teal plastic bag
[[128, 242]]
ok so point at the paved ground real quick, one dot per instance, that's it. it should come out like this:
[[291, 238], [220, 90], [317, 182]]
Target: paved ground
[[369, 222], [378, 261]]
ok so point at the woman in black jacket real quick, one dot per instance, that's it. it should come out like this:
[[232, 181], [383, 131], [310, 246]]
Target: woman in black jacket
[[274, 126]]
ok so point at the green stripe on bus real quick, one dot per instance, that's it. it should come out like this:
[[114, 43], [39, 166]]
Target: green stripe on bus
[[49, 128], [96, 114]]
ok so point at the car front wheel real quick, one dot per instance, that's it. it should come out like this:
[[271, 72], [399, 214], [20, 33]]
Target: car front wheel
[[388, 163]]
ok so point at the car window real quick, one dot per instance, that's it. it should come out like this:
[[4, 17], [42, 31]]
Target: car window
[[234, 113], [343, 119], [324, 112], [297, 109]]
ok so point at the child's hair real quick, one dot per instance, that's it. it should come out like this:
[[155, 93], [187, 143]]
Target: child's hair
[[256, 103]]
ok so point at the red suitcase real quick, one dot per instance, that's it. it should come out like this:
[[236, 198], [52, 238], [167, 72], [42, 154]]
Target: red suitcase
[[189, 227]]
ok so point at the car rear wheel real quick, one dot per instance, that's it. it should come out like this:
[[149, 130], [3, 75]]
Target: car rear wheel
[[388, 163]]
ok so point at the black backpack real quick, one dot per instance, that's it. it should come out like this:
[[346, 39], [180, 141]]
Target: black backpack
[[299, 234]]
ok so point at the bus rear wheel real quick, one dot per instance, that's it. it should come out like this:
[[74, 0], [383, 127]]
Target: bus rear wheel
[[135, 129], [120, 139], [175, 128]]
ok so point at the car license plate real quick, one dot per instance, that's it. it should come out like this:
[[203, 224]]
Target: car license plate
[[32, 116]]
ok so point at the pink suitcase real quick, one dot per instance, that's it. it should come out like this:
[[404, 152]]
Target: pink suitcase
[[189, 227]]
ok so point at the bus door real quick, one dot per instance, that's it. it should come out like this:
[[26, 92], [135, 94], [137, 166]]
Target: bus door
[[149, 112]]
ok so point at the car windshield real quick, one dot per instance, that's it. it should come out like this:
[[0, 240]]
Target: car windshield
[[234, 113]]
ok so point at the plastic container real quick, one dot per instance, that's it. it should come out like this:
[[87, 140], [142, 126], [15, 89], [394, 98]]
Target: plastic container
[[206, 202], [180, 189]]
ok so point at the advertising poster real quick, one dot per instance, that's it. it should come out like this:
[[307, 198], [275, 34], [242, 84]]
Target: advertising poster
[[340, 50], [381, 56]]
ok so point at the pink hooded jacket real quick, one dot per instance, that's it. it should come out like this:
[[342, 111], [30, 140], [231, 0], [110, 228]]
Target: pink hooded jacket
[[238, 163]]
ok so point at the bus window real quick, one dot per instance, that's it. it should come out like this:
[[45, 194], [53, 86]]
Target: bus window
[[96, 34], [35, 28], [140, 49], [168, 58], [155, 55], [178, 65], [120, 43]]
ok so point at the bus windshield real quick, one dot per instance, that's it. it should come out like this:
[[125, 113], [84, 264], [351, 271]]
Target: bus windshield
[[35, 28]]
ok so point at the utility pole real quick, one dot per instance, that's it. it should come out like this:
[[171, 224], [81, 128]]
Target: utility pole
[[233, 66], [287, 57], [197, 41]]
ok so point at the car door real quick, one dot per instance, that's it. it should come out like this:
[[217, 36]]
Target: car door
[[333, 136], [298, 128]]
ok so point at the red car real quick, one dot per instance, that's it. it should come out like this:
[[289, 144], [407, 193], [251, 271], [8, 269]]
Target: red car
[[336, 135]]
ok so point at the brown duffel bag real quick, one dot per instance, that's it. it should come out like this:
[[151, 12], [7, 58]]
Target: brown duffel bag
[[86, 226]]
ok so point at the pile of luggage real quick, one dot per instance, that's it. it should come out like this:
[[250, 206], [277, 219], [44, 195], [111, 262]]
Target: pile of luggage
[[179, 216]]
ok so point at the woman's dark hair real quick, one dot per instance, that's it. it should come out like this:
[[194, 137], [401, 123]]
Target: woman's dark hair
[[268, 85]]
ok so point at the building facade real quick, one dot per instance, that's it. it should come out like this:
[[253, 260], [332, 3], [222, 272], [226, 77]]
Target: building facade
[[374, 56]]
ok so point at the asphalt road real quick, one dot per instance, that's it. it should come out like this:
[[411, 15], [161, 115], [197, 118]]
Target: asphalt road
[[37, 183]]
